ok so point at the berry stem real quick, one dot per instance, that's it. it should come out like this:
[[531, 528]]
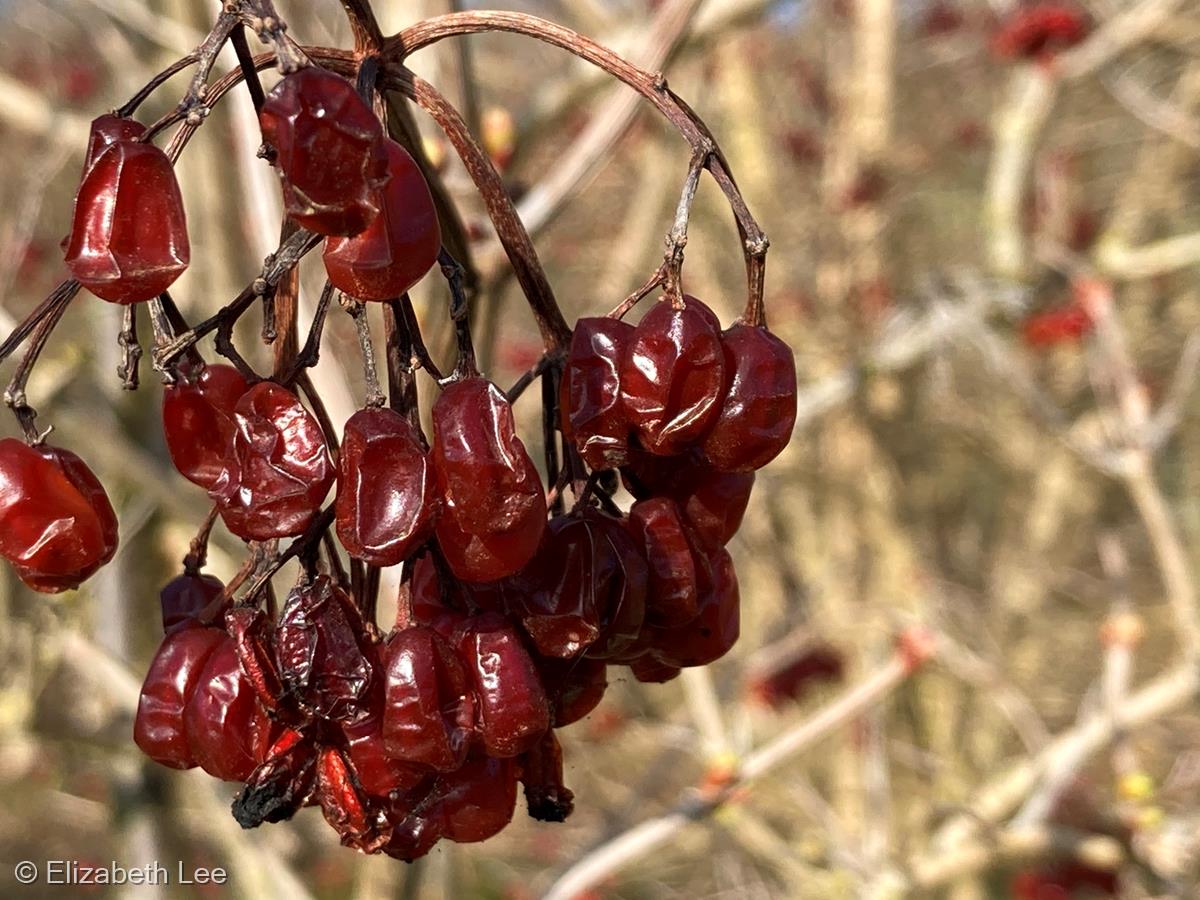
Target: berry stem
[[131, 350], [197, 554], [310, 353], [358, 312], [652, 86], [14, 394], [672, 267]]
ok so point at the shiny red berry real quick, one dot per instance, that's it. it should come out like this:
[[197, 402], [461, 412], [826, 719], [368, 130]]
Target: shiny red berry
[[329, 150], [758, 411], [575, 686], [714, 630], [512, 708], [593, 414], [477, 801], [198, 422], [712, 503], [400, 245], [277, 469], [585, 590], [222, 719], [128, 238], [184, 598], [673, 376], [672, 596], [386, 499], [494, 506], [379, 771], [429, 710], [158, 728], [57, 526]]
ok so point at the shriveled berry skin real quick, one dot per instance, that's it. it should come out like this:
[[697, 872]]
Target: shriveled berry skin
[[513, 711], [278, 468], [221, 716], [198, 422], [57, 526], [379, 772], [714, 630], [158, 727], [494, 509], [477, 801], [386, 500], [400, 245], [129, 237], [673, 376], [428, 708], [412, 837], [329, 150], [320, 649], [649, 670], [575, 686], [184, 598], [671, 591], [594, 416], [585, 589], [712, 503], [758, 413]]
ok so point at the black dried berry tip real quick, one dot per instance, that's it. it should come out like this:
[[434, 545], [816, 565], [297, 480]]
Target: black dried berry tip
[[270, 802], [549, 804]]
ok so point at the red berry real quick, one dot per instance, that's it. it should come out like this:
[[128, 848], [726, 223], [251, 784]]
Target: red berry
[[379, 771], [512, 708], [386, 500], [428, 708], [575, 686], [198, 422], [712, 503], [321, 652], [128, 238], [584, 591], [759, 410], [57, 526], [592, 412], [399, 246], [671, 591], [673, 376], [344, 807], [184, 598], [277, 467], [495, 508], [329, 149], [412, 837], [714, 631], [158, 728], [477, 801], [222, 720]]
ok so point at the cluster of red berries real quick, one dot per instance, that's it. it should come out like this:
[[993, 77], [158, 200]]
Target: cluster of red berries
[[511, 610]]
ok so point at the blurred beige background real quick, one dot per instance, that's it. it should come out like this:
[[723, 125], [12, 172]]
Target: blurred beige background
[[1033, 504]]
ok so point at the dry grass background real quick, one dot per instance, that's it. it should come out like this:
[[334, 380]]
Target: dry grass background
[[921, 198]]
